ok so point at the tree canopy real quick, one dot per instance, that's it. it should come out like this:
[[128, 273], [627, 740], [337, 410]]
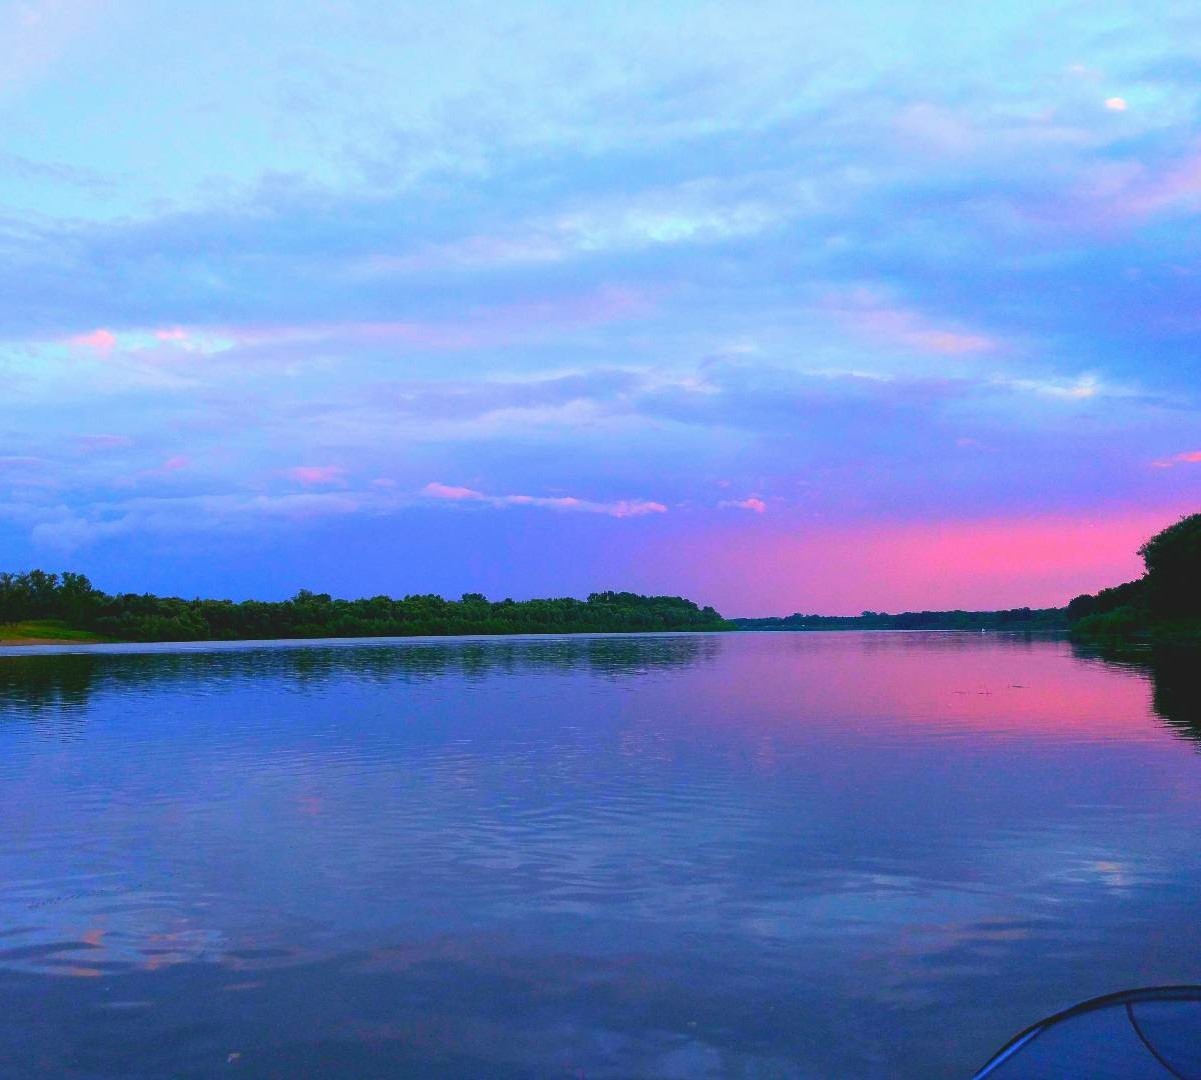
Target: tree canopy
[[142, 617], [1173, 562], [1168, 593]]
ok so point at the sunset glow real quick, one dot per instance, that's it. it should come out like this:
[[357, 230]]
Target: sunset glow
[[820, 308]]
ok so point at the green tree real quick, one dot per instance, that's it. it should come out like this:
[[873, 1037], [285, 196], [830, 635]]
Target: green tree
[[1173, 561]]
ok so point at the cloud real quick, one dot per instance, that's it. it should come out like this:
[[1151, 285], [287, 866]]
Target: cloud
[[453, 494], [865, 312], [699, 212], [1188, 457], [755, 505], [42, 171], [1134, 191], [1116, 104], [38, 35], [174, 464], [317, 475], [684, 262], [621, 508], [1080, 388], [68, 528], [481, 326], [101, 340], [1179, 184]]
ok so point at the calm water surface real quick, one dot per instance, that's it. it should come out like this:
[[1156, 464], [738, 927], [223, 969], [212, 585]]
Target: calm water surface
[[758, 855]]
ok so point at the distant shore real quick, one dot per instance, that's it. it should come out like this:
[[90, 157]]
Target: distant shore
[[9, 640], [1009, 619]]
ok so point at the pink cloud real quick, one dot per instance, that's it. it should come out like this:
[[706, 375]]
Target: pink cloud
[[564, 502], [1181, 184], [1129, 190], [172, 334], [626, 508], [317, 475], [868, 314], [946, 341], [753, 504], [100, 339], [446, 491], [1189, 457], [622, 508], [171, 465]]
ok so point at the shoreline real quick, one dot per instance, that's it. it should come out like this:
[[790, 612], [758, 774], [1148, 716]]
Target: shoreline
[[28, 641]]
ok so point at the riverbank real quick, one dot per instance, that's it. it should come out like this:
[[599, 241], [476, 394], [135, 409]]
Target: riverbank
[[46, 632], [1129, 628]]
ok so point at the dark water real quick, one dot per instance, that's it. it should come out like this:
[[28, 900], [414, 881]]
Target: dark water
[[833, 855]]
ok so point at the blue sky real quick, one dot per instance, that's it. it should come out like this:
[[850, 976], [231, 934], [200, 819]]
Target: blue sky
[[780, 305]]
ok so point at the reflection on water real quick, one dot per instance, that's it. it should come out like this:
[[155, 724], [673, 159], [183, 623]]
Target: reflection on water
[[49, 678], [835, 855], [1175, 674]]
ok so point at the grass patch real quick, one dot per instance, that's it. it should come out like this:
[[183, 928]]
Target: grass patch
[[35, 630]]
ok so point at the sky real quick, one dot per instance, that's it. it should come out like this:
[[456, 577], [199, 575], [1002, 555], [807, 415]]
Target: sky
[[782, 306]]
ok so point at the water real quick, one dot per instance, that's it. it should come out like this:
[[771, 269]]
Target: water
[[758, 855]]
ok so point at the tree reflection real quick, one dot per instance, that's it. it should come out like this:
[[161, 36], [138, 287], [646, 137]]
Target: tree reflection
[[34, 683], [1175, 674]]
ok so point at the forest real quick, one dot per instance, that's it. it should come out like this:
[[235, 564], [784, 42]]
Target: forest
[[1165, 603], [1023, 618], [73, 603]]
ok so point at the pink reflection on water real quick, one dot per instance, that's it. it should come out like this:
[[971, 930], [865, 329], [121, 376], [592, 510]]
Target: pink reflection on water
[[863, 685]]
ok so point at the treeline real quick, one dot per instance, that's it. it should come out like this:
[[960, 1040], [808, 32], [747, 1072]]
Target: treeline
[[1165, 602], [1023, 618], [72, 599]]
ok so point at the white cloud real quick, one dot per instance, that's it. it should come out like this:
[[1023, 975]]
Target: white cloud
[[621, 508]]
